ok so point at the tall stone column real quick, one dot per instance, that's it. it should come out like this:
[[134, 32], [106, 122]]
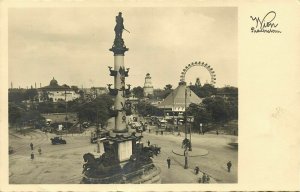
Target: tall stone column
[[119, 81], [119, 90]]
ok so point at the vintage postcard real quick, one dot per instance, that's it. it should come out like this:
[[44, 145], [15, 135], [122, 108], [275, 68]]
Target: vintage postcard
[[150, 96]]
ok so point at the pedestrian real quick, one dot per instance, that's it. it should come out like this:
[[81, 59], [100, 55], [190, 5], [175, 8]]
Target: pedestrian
[[204, 178], [196, 170], [40, 150], [32, 156], [31, 146], [149, 129], [169, 162], [148, 143], [229, 166], [207, 179], [217, 132], [199, 180]]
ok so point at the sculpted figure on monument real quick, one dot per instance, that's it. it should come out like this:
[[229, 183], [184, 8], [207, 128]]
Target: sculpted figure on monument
[[119, 26]]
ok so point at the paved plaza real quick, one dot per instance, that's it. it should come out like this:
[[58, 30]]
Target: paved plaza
[[60, 164]]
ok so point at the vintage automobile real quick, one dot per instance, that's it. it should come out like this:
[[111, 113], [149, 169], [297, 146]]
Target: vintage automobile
[[152, 150], [57, 140]]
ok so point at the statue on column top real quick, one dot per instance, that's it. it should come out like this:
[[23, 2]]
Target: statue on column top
[[119, 26], [119, 46]]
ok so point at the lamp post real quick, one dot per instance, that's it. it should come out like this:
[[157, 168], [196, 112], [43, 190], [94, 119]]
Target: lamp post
[[190, 120], [200, 128], [66, 105], [185, 132], [185, 116]]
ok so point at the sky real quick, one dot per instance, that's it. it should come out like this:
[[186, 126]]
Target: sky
[[72, 45]]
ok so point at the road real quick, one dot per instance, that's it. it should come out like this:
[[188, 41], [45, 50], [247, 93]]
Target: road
[[213, 164], [60, 164]]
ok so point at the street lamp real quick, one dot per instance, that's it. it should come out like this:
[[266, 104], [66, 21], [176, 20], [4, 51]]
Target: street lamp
[[200, 128], [185, 116], [185, 130], [190, 120]]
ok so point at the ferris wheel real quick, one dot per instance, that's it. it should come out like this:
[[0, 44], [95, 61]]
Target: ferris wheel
[[201, 64]]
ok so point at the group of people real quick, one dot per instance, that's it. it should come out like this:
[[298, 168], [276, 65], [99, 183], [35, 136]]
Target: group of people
[[32, 153], [205, 178]]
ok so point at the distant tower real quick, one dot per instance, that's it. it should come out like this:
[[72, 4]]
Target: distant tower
[[148, 88], [198, 83]]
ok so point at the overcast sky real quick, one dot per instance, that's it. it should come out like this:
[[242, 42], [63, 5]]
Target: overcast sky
[[71, 45]]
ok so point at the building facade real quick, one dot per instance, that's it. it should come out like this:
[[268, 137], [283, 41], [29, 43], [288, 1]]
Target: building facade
[[55, 92]]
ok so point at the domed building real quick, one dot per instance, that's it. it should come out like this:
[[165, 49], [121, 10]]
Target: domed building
[[148, 88], [55, 92]]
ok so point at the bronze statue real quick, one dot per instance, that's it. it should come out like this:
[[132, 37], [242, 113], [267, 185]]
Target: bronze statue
[[119, 26]]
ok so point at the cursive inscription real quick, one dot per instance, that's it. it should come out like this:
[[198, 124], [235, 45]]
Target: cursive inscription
[[266, 24]]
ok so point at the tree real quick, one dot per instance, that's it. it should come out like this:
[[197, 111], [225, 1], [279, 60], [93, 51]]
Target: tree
[[75, 88], [168, 87], [218, 107], [14, 113], [96, 110], [206, 90], [146, 109], [17, 115], [44, 96], [46, 107], [16, 96], [200, 114], [138, 92], [31, 94]]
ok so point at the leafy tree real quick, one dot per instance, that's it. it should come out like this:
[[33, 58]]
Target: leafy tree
[[138, 92], [168, 87], [146, 109], [206, 90], [14, 113], [96, 110], [46, 107], [16, 96], [200, 114], [60, 107], [17, 115], [229, 91], [75, 88], [218, 107], [44, 96], [31, 94]]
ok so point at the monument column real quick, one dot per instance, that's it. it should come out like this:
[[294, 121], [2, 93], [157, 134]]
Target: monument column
[[119, 74]]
